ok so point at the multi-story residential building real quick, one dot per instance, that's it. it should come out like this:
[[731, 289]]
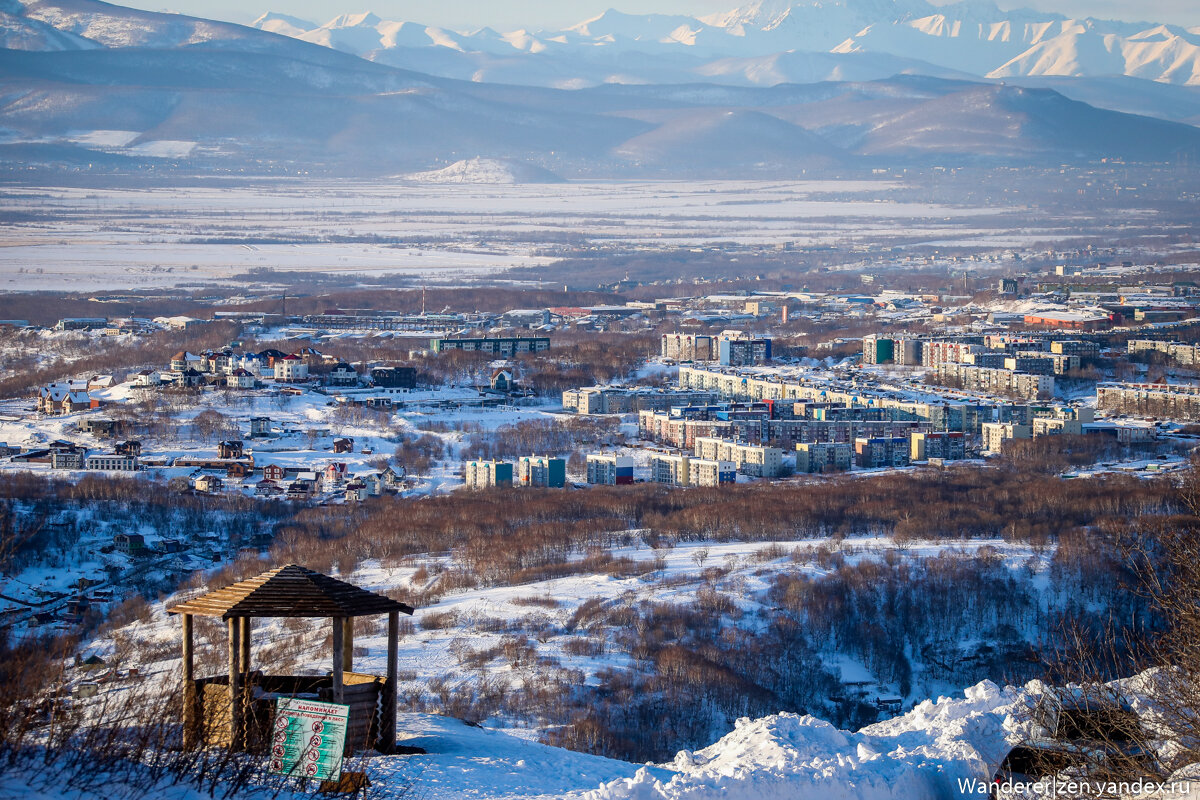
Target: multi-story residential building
[[1035, 365], [946, 445], [907, 352], [1075, 347], [542, 471], [995, 434], [997, 381], [671, 470], [481, 474], [687, 347], [609, 469], [394, 377], [626, 400], [823, 456], [501, 345], [291, 369], [1051, 426], [738, 385], [878, 349], [738, 349], [934, 354], [1150, 399], [749, 459], [111, 462], [710, 472], [882, 451], [988, 359]]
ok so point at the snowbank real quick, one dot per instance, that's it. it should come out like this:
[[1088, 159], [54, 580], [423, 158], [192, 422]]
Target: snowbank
[[922, 754]]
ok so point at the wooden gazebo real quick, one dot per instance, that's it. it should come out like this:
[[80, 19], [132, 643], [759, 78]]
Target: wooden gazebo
[[235, 710]]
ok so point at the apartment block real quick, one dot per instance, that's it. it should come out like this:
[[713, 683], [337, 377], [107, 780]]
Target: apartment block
[[542, 472], [687, 347], [749, 459], [738, 349], [1075, 347], [995, 434], [499, 345], [997, 381], [823, 456], [1051, 426], [1150, 399], [883, 451], [710, 472], [934, 354], [946, 445], [878, 350], [670, 470], [480, 474], [609, 469]]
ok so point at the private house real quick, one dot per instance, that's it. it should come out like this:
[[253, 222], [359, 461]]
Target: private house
[[273, 472], [240, 379], [333, 475], [290, 369], [129, 448], [208, 484], [357, 491], [301, 489], [240, 469], [230, 449], [502, 380], [342, 374], [260, 428], [53, 397], [78, 401], [191, 378], [130, 543], [266, 488], [343, 445], [147, 378]]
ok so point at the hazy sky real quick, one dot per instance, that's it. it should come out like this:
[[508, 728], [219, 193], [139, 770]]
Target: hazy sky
[[508, 14]]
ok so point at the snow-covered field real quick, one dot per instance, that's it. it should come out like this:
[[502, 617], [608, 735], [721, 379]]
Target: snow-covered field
[[87, 239]]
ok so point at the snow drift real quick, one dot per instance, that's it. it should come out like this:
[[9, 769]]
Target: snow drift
[[925, 753]]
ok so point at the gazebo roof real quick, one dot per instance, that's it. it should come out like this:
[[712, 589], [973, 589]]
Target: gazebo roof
[[290, 591]]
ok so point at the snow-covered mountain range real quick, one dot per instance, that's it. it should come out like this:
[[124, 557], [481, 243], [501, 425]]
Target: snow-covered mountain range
[[775, 41], [83, 82]]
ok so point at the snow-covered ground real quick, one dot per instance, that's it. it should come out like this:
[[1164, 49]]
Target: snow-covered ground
[[86, 239]]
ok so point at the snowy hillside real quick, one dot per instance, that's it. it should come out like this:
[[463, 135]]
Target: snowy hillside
[[487, 171]]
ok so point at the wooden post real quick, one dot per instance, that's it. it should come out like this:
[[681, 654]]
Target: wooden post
[[244, 655], [339, 657], [236, 741], [190, 730], [348, 643], [387, 717]]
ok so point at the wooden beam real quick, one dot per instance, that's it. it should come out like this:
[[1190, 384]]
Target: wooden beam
[[190, 730], [387, 716], [236, 740], [348, 643], [339, 657]]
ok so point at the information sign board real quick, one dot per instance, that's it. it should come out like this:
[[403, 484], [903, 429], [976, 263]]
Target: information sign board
[[308, 738]]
